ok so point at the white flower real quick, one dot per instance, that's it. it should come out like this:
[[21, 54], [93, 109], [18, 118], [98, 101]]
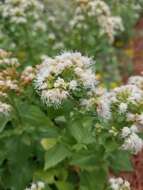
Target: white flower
[[19, 11], [41, 184], [37, 186], [57, 78], [133, 143], [60, 83], [73, 85], [126, 131], [134, 129], [5, 109], [99, 10], [54, 96], [140, 119], [28, 74], [136, 80], [119, 184], [87, 103], [121, 97], [104, 109], [123, 107], [40, 25]]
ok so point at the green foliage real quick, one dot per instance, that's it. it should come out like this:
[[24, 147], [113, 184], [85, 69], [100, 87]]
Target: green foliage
[[66, 147]]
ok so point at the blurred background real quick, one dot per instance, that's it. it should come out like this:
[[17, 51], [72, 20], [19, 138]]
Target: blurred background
[[110, 31]]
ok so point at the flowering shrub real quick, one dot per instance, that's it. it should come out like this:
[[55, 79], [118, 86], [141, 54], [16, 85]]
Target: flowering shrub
[[60, 130], [61, 126], [31, 28]]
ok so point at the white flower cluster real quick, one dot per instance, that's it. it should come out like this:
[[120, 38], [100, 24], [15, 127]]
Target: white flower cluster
[[5, 109], [8, 73], [132, 142], [119, 98], [101, 13], [124, 101], [6, 60], [37, 186], [91, 99], [28, 74], [63, 76], [136, 80], [119, 184], [20, 11]]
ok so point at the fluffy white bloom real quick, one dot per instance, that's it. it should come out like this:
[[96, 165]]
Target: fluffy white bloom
[[5, 109], [28, 74], [132, 93], [73, 85], [7, 60], [123, 107], [37, 186], [54, 96], [118, 100], [18, 11], [87, 103], [99, 10], [40, 25], [132, 142], [136, 80], [104, 109], [119, 184], [126, 131], [58, 78], [139, 119]]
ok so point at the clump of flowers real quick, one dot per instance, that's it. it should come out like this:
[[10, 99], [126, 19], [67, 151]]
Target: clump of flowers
[[136, 80], [6, 59], [121, 100], [20, 11], [37, 186], [119, 184], [66, 76], [120, 107], [132, 142], [99, 11], [8, 73], [90, 102], [27, 75]]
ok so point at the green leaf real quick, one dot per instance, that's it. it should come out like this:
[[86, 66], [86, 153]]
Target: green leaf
[[56, 155], [49, 176], [121, 161], [94, 180], [32, 115], [48, 143], [85, 161], [17, 171], [62, 185], [3, 122], [82, 134]]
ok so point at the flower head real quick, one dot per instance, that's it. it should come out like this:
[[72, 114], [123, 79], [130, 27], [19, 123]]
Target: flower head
[[119, 184], [63, 76]]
